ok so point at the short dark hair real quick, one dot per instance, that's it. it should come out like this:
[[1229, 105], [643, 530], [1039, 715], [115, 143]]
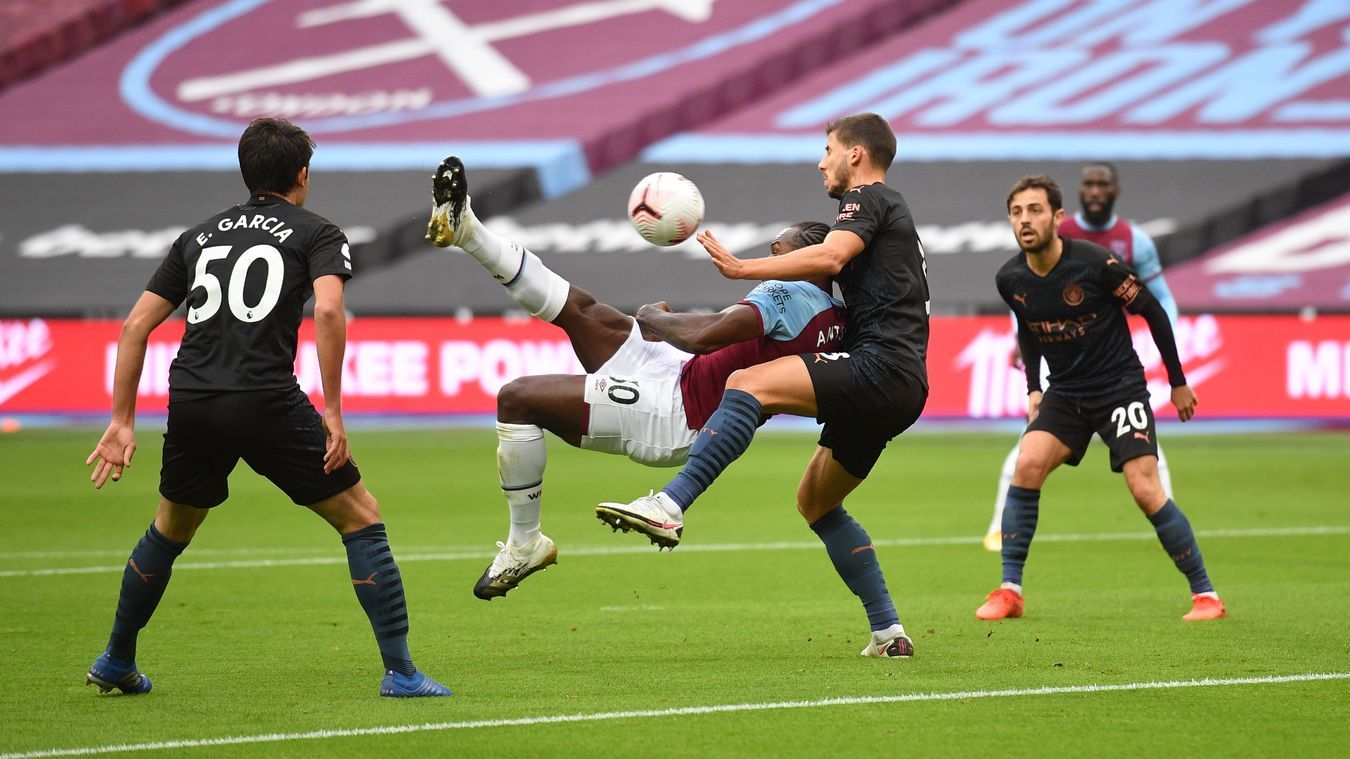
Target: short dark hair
[[1111, 167], [870, 131], [1052, 192], [804, 233], [271, 153]]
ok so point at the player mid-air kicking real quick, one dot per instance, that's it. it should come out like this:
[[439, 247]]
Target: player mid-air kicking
[[651, 383]]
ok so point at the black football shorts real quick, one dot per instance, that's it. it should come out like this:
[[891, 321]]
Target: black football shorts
[[278, 433], [1125, 423], [863, 405]]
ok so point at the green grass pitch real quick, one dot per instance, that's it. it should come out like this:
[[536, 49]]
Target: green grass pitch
[[260, 634]]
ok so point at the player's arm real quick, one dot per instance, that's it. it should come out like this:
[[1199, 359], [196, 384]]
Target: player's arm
[[700, 333], [1148, 265], [330, 337], [1138, 299], [1031, 364], [118, 444], [823, 260]]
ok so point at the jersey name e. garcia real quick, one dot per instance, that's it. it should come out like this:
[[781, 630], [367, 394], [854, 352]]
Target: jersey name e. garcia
[[246, 274]]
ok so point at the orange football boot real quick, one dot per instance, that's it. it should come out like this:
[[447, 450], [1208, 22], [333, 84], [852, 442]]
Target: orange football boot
[[1002, 603], [1205, 607]]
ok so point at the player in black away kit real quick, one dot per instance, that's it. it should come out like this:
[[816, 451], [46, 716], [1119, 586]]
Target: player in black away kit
[[865, 396], [1069, 297], [246, 274]]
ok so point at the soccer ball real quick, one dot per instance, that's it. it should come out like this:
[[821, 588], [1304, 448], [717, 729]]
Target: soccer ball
[[665, 208]]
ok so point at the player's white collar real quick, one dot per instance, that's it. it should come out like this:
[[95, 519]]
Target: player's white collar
[[1083, 223]]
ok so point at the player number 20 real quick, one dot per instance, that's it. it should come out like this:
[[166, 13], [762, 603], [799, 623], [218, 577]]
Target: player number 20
[[1129, 416], [268, 255]]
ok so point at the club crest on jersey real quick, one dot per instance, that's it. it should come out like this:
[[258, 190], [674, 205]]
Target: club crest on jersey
[[1118, 246], [1073, 294]]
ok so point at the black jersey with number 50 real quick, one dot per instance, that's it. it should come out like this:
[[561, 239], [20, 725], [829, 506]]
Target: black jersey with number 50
[[886, 285], [246, 274]]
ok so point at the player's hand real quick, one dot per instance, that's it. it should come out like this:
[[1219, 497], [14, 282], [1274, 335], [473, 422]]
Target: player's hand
[[335, 454], [1184, 399], [112, 454], [1015, 358], [1033, 405], [644, 315], [730, 266]]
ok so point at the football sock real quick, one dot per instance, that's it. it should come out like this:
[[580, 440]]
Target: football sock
[[379, 588], [855, 559], [722, 440], [1177, 538], [531, 284], [143, 582], [521, 456], [1164, 473], [1019, 525], [1005, 478]]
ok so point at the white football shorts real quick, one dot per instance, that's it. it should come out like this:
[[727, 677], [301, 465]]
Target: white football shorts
[[636, 408]]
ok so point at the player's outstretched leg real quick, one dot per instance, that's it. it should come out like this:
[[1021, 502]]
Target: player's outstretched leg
[[531, 284], [521, 458], [143, 583], [379, 588], [993, 537], [725, 436]]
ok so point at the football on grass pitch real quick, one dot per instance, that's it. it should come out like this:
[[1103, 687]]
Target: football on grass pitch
[[666, 208]]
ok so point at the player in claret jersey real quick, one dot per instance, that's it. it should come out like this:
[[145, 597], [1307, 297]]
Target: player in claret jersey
[[652, 381], [1097, 222], [1069, 298], [246, 274]]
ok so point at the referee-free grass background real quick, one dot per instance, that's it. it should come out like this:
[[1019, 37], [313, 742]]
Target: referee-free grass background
[[260, 634]]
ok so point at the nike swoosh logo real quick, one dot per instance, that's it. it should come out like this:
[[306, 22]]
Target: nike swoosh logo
[[20, 382], [1160, 392]]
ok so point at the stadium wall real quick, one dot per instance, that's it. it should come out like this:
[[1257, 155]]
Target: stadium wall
[[1242, 367]]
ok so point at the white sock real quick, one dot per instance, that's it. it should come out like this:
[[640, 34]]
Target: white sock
[[531, 284], [1164, 473], [1014, 587], [672, 508], [1005, 479], [521, 456]]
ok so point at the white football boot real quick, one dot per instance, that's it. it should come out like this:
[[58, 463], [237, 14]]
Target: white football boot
[[652, 515], [513, 564], [891, 643]]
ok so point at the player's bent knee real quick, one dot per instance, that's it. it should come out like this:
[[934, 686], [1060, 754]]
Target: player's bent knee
[[514, 404], [353, 509], [178, 522]]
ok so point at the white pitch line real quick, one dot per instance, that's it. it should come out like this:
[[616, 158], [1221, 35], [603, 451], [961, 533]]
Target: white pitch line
[[1272, 532], [1049, 690]]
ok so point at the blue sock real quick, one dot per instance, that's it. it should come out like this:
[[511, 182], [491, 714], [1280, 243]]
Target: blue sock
[[143, 583], [1177, 538], [379, 588], [855, 559], [1019, 525], [723, 439]]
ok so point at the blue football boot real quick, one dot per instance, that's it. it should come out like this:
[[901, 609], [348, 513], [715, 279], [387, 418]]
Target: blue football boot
[[108, 673], [416, 685]]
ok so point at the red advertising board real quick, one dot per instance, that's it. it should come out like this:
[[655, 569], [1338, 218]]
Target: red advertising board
[[1242, 367]]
